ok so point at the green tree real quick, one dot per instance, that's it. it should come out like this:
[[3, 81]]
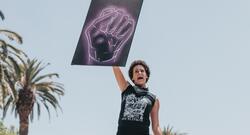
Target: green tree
[[31, 91], [23, 90], [8, 57], [169, 131], [7, 131]]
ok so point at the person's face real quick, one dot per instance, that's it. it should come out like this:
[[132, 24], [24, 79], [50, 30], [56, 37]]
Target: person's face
[[139, 75]]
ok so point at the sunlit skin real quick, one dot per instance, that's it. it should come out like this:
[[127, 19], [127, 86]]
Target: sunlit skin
[[139, 76]]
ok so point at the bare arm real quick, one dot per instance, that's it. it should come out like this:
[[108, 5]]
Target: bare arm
[[122, 83], [155, 118]]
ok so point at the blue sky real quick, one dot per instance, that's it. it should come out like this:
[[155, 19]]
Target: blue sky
[[198, 52]]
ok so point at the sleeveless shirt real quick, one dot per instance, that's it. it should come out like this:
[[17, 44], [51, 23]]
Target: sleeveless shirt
[[136, 106]]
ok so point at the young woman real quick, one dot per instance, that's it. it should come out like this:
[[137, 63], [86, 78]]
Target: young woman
[[138, 104]]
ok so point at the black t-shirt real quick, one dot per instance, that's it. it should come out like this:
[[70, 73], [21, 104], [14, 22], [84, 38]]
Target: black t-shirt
[[136, 106]]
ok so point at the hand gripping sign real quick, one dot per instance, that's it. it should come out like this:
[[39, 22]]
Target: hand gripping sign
[[107, 33]]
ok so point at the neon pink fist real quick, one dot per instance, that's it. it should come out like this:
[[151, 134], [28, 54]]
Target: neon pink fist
[[108, 33]]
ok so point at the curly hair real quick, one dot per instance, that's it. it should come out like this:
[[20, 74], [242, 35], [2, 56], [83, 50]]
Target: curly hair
[[135, 63]]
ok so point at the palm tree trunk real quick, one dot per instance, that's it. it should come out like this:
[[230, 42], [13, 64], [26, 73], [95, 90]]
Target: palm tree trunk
[[23, 125], [23, 120], [24, 107]]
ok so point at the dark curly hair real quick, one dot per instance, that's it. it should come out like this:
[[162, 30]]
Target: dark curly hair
[[135, 63]]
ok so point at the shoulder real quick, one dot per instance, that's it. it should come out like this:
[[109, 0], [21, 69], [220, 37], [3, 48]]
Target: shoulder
[[152, 97], [156, 105], [129, 88]]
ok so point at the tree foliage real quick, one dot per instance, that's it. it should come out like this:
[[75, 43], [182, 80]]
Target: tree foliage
[[23, 88], [169, 131], [7, 131]]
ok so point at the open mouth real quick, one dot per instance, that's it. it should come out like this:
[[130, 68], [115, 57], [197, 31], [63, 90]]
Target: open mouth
[[140, 78]]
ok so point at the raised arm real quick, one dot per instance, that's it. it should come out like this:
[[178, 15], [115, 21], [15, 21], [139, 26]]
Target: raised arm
[[122, 83], [155, 118]]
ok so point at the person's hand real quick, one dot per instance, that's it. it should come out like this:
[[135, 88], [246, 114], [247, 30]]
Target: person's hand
[[108, 33]]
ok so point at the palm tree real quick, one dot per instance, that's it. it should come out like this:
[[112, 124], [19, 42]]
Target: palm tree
[[32, 90], [8, 57], [22, 88]]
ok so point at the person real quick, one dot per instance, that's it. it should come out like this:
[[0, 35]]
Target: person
[[138, 105]]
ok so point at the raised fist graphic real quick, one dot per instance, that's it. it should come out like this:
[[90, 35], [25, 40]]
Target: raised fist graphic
[[107, 33]]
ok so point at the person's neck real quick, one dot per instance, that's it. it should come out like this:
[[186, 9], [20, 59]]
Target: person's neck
[[144, 87]]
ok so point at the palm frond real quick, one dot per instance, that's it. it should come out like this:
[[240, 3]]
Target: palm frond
[[4, 51], [59, 91], [22, 60], [30, 70], [36, 70], [2, 15], [44, 90], [6, 106], [10, 82], [51, 98], [169, 131], [38, 109], [16, 51], [32, 115], [45, 76], [16, 66], [13, 109], [12, 35], [46, 107], [4, 90]]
